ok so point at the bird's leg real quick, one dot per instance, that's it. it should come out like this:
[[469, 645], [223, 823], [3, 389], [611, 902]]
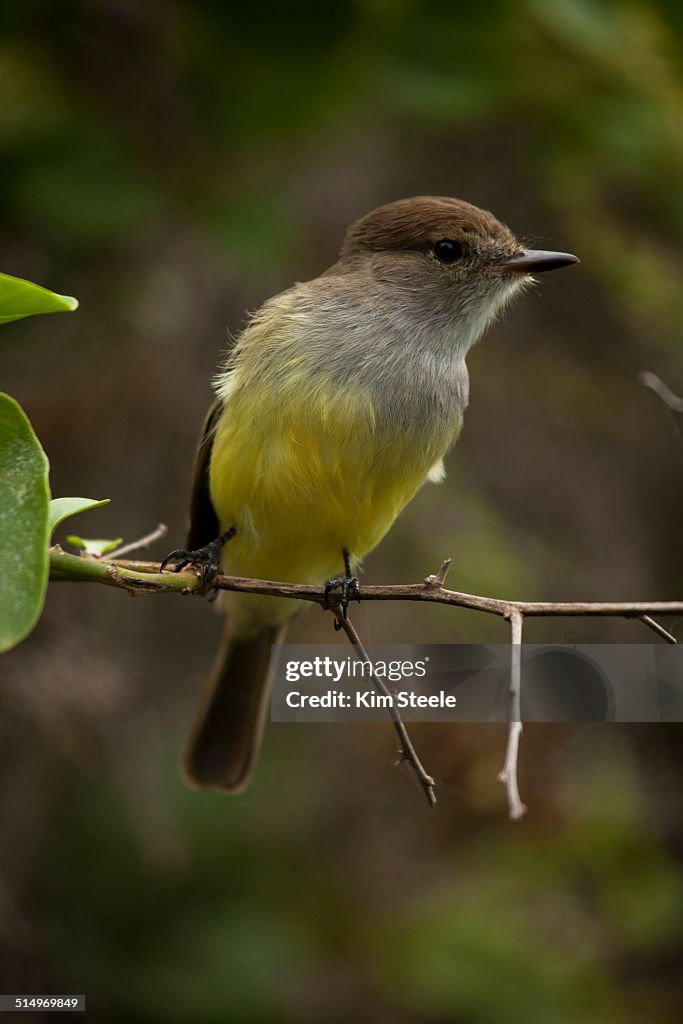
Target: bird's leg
[[206, 559], [349, 584]]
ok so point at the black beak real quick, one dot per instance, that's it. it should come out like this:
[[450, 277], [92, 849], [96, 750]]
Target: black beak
[[536, 261]]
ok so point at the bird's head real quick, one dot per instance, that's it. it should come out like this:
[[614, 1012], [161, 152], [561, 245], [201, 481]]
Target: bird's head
[[444, 255]]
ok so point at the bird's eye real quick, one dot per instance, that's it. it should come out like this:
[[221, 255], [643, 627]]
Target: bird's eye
[[448, 251]]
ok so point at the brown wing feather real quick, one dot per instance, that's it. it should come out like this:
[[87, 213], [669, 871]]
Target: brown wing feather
[[204, 526]]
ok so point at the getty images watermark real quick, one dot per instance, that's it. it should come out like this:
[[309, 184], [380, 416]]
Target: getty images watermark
[[470, 683]]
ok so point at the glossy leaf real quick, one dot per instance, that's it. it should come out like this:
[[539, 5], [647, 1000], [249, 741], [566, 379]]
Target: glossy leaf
[[24, 519], [62, 508], [19, 298], [92, 546]]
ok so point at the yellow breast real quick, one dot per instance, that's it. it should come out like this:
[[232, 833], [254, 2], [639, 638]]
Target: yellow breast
[[303, 475]]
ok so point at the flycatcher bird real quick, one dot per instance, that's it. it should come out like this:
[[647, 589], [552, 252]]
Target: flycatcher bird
[[336, 404]]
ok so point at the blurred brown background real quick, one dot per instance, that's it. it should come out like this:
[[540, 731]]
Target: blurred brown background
[[173, 164]]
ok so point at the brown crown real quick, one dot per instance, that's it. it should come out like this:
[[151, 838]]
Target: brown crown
[[421, 221]]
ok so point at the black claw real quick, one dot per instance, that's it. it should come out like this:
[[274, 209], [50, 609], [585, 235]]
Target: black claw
[[179, 553], [331, 585], [207, 559], [350, 587]]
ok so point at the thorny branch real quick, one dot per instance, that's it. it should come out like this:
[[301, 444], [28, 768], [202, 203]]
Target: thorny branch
[[138, 578], [407, 751]]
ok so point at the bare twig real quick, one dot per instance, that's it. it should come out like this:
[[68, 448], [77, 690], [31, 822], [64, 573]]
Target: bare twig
[[508, 776], [658, 628], [137, 545], [652, 381], [672, 403], [407, 751], [144, 578]]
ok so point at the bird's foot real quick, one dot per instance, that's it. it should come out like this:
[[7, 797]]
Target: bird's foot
[[206, 559], [349, 587]]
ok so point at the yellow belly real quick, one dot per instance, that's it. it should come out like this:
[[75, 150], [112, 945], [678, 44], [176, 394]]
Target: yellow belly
[[301, 478]]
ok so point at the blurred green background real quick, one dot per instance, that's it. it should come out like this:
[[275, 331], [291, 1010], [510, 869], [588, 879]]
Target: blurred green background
[[173, 164]]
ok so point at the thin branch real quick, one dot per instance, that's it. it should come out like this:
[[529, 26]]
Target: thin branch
[[508, 776], [658, 628], [671, 402], [134, 577], [137, 545], [145, 578], [407, 751], [665, 394], [138, 578]]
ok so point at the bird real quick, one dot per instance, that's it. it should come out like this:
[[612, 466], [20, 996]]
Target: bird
[[335, 404]]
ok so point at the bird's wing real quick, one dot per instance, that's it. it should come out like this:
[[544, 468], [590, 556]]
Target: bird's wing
[[204, 526]]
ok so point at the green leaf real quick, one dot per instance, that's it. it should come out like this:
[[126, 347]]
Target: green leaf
[[94, 547], [24, 503], [19, 298], [62, 508]]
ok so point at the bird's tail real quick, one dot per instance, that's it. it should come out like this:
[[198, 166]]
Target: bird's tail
[[227, 733]]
